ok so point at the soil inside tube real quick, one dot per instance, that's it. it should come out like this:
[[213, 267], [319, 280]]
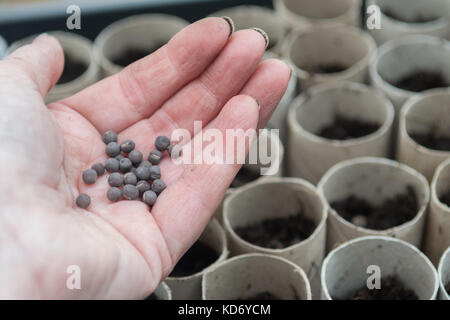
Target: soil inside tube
[[243, 177], [262, 296], [131, 55], [391, 288], [344, 128], [432, 141], [197, 258], [421, 80], [392, 212], [419, 18], [278, 233], [72, 69], [447, 287], [327, 68]]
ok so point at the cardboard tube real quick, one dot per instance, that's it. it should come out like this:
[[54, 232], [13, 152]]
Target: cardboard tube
[[399, 57], [373, 179], [3, 46], [391, 28], [437, 235], [444, 275], [252, 274], [189, 287], [329, 45], [163, 292], [310, 155], [246, 17], [143, 31], [345, 269], [80, 49], [424, 113], [305, 13], [279, 197]]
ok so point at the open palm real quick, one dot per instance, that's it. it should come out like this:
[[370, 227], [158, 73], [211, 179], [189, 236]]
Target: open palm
[[123, 250]]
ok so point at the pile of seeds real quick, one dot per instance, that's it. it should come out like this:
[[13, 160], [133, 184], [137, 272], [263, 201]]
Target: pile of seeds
[[131, 177]]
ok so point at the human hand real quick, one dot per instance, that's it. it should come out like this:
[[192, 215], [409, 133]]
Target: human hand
[[123, 249]]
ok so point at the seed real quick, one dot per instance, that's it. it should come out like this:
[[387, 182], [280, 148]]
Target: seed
[[146, 164], [158, 186], [136, 157], [127, 146], [155, 157], [83, 201], [125, 165], [112, 165], [174, 151], [130, 178], [149, 197], [114, 194], [120, 157], [162, 143], [143, 173], [155, 172], [109, 136], [112, 149], [130, 192], [99, 168], [115, 179], [142, 186], [89, 176], [133, 169]]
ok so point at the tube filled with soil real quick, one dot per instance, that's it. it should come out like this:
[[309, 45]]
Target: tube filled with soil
[[80, 69], [401, 18], [207, 251], [444, 275], [409, 65], [132, 38], [306, 13], [281, 216], [424, 132], [246, 17], [437, 233], [378, 268], [374, 196], [329, 53], [163, 292], [256, 277], [335, 122]]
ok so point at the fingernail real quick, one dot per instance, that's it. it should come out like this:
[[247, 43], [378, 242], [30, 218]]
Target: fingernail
[[42, 35], [264, 34], [230, 23]]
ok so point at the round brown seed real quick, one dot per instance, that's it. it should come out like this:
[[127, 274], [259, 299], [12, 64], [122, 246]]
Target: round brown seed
[[114, 194], [83, 201], [155, 172], [130, 178], [127, 146], [99, 168], [112, 149], [145, 163], [149, 197], [158, 186], [162, 143], [112, 165], [155, 157], [130, 192], [143, 173], [125, 165], [115, 179], [89, 176], [109, 136], [136, 157], [143, 186]]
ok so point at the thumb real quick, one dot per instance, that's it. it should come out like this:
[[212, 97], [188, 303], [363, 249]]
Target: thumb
[[42, 62]]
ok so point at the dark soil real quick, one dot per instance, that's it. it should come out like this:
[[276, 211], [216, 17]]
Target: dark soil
[[72, 69], [344, 128], [327, 68], [152, 297], [131, 55], [447, 287], [391, 213], [419, 18], [445, 198], [278, 233], [432, 141], [197, 258], [391, 289], [243, 177], [262, 296], [421, 80]]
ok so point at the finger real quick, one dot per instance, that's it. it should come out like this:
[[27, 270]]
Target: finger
[[141, 88], [202, 99], [185, 207], [267, 85], [41, 62]]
